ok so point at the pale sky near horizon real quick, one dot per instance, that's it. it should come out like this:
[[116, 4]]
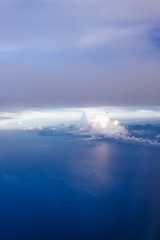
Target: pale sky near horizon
[[76, 53], [42, 118]]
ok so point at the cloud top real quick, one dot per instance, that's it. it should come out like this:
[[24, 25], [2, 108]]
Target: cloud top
[[99, 124]]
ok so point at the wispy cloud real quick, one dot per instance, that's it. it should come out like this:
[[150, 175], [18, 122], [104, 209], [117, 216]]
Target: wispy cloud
[[36, 119]]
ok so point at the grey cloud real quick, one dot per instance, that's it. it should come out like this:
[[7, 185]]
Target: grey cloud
[[79, 53]]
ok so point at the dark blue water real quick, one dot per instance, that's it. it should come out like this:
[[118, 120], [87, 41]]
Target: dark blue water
[[69, 188]]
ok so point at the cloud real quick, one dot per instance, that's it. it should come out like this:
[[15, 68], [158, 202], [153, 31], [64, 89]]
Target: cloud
[[3, 123], [76, 53], [7, 115], [37, 119], [98, 119], [97, 123], [133, 139]]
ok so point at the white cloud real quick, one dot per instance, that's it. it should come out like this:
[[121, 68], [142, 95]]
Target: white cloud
[[133, 113], [28, 128], [98, 123], [7, 115], [141, 140], [93, 122], [3, 123], [38, 118]]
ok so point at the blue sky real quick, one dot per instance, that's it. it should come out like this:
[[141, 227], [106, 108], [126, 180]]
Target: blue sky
[[56, 53]]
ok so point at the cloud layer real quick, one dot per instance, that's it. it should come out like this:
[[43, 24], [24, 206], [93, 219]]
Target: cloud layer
[[97, 123], [79, 53]]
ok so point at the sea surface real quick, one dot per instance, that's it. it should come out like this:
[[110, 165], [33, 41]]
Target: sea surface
[[65, 187]]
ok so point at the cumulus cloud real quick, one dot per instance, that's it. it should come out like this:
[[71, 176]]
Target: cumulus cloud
[[98, 123]]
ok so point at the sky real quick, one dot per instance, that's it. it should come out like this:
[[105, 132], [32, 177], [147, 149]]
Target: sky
[[101, 117], [79, 53]]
